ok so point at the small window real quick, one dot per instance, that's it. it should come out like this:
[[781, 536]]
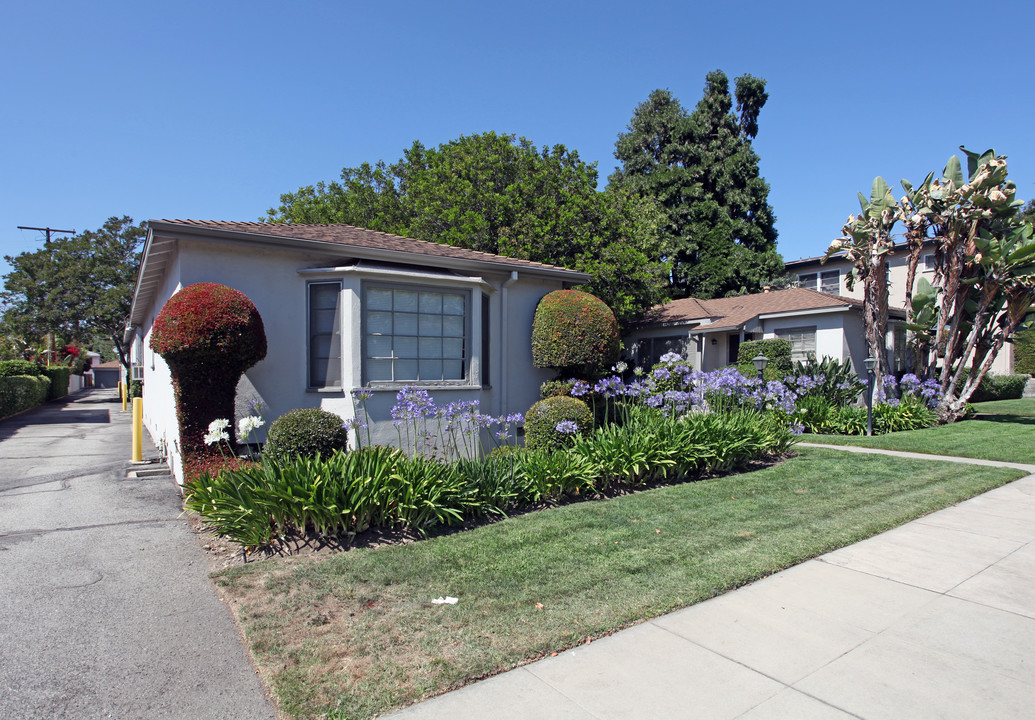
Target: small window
[[830, 282], [414, 335], [929, 263], [809, 281], [325, 335], [802, 339]]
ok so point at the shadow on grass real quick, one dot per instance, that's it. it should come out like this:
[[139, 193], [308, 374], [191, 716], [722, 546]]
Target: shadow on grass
[[1000, 418]]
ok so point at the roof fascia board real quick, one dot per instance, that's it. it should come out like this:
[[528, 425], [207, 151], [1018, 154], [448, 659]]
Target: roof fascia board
[[388, 273], [363, 253], [812, 311]]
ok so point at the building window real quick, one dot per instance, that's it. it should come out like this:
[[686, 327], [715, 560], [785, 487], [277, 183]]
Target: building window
[[414, 335], [830, 281], [803, 341], [325, 335], [899, 339], [808, 281], [650, 350], [929, 263]]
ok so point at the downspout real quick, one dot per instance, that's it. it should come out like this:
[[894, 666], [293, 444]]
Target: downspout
[[504, 344]]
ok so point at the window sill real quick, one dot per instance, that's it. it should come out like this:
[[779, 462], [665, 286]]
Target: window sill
[[327, 391], [396, 387]]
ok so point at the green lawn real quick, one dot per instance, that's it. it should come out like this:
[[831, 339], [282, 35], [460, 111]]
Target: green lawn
[[1005, 432], [354, 634]]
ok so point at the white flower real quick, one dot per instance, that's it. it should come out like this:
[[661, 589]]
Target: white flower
[[218, 425], [247, 425], [212, 437], [620, 367]]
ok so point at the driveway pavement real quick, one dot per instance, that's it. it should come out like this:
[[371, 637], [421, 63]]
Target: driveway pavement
[[934, 619], [106, 609]]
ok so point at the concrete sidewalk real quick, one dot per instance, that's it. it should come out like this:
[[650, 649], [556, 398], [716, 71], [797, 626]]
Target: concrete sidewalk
[[935, 619], [106, 609]]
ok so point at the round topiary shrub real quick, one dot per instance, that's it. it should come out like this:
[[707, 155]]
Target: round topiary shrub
[[208, 334], [542, 419], [574, 332], [305, 433]]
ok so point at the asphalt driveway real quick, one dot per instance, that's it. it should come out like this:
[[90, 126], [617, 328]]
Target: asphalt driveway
[[106, 610]]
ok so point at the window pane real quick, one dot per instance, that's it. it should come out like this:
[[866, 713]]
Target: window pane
[[405, 324], [453, 304], [379, 369], [318, 372], [321, 346], [379, 323], [808, 280], [453, 348], [430, 369], [405, 369], [379, 299], [405, 301], [453, 326], [324, 295], [431, 302], [379, 346], [431, 325], [452, 370], [406, 347], [430, 347]]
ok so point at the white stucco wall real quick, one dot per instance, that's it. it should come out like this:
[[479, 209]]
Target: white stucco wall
[[276, 281]]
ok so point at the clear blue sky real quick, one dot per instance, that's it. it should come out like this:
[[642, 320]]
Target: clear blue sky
[[210, 110]]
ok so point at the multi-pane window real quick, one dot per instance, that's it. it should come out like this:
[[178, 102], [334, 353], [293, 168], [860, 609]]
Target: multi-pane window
[[325, 335], [829, 282], [802, 339], [414, 335], [808, 280]]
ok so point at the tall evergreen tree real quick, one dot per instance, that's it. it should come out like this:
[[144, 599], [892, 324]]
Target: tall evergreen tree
[[702, 170]]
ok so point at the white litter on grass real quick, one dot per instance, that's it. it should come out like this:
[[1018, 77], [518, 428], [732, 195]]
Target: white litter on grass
[[445, 600]]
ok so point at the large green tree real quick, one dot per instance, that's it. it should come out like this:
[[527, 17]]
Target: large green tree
[[77, 287], [501, 194], [702, 170]]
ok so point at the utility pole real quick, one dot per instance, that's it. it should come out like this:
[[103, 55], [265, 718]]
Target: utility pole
[[48, 230]]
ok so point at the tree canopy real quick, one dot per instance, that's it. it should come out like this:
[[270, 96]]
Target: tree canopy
[[501, 194], [702, 171], [984, 275], [76, 287]]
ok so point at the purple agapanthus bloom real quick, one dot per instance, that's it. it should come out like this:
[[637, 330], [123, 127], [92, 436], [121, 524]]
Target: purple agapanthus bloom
[[579, 389], [567, 427]]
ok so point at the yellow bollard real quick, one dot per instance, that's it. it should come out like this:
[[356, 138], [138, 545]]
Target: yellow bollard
[[122, 394], [138, 429]]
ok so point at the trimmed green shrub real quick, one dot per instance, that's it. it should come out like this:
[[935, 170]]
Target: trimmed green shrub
[[1024, 351], [21, 392], [777, 350], [9, 368], [136, 389], [305, 433], [574, 332], [209, 334], [542, 418], [553, 388], [59, 376], [999, 387]]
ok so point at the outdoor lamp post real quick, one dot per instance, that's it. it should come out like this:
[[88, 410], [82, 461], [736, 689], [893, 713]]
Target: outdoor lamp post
[[760, 362], [871, 363]]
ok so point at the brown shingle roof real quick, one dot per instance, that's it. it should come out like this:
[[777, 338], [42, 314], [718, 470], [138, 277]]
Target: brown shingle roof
[[735, 311], [351, 236]]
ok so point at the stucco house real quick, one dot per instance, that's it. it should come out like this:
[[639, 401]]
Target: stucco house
[[348, 308], [829, 277], [708, 333]]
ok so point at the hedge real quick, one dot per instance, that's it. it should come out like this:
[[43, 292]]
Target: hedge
[[1024, 352], [21, 392], [777, 350], [574, 331], [59, 376]]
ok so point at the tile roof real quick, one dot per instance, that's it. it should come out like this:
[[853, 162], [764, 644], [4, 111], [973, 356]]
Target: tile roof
[[733, 312], [351, 236]]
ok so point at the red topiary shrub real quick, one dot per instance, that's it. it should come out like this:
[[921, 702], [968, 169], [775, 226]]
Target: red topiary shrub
[[574, 332], [208, 334]]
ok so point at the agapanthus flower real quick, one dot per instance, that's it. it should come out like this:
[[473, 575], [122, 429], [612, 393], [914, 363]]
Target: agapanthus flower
[[247, 425], [567, 427]]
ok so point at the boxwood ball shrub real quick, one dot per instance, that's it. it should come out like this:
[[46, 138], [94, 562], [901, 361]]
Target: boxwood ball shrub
[[305, 433], [208, 334], [542, 419], [574, 332]]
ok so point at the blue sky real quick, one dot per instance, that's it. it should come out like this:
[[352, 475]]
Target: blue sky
[[211, 110]]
